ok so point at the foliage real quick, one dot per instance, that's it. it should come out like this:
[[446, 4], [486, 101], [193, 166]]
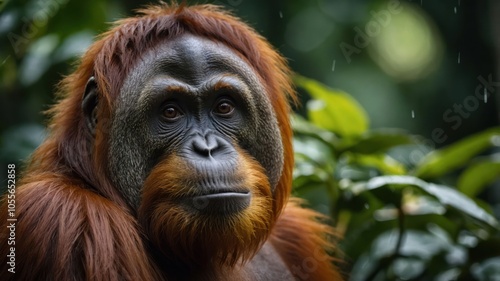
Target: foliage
[[398, 220]]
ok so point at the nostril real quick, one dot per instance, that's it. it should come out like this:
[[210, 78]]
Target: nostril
[[211, 142], [208, 145], [201, 147]]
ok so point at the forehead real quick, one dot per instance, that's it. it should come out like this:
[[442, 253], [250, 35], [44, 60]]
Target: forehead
[[192, 60]]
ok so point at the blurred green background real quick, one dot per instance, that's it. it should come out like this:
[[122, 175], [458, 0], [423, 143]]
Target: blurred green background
[[425, 69]]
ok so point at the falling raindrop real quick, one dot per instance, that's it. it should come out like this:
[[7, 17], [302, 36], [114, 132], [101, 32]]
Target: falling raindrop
[[281, 14], [333, 66], [458, 2], [421, 2], [367, 206], [458, 57], [485, 95], [5, 60], [455, 10], [412, 114]]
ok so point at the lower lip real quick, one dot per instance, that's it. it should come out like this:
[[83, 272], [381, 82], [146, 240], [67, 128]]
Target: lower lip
[[220, 203]]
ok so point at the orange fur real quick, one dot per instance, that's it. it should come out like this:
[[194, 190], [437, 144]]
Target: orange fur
[[304, 242], [64, 231]]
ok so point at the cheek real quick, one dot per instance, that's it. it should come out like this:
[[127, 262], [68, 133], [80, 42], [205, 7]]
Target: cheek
[[127, 160], [265, 145], [169, 179]]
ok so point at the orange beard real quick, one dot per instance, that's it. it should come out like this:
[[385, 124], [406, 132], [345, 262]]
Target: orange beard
[[197, 238]]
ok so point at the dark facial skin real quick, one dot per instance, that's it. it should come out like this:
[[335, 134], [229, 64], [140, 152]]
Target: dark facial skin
[[199, 100]]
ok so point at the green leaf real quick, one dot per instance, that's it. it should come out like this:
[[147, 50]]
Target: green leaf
[[313, 149], [333, 110], [444, 194], [379, 141], [445, 160], [303, 127], [383, 163], [473, 180], [487, 270]]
